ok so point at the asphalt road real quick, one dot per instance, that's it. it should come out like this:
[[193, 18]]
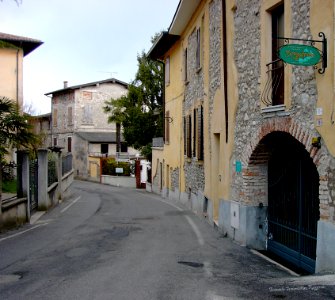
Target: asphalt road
[[108, 242]]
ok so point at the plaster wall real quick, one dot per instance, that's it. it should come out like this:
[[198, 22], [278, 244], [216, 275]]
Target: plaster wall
[[11, 75]]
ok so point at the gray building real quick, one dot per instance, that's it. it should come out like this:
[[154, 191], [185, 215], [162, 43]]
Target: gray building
[[80, 126]]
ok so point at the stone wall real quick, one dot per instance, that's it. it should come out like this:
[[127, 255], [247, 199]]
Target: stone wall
[[215, 56], [252, 125], [89, 106], [175, 179], [194, 92]]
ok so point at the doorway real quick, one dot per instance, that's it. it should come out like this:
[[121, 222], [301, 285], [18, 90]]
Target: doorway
[[293, 201]]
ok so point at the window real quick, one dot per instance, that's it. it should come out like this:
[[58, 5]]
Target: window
[[167, 127], [69, 144], [54, 117], [124, 147], [185, 66], [87, 117], [195, 124], [198, 50], [69, 116], [277, 68], [55, 141], [189, 136], [200, 153], [167, 70], [87, 95], [104, 148], [185, 135]]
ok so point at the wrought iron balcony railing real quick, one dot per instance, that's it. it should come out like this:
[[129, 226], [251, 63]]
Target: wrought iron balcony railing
[[273, 93]]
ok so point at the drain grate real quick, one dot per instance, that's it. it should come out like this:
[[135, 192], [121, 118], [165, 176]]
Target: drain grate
[[191, 264]]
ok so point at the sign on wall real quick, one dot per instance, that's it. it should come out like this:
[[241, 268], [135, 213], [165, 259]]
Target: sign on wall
[[301, 55], [304, 54]]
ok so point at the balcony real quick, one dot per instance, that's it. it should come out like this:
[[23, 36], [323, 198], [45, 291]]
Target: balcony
[[273, 93]]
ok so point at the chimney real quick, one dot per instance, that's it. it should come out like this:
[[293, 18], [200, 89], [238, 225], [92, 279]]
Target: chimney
[[65, 84]]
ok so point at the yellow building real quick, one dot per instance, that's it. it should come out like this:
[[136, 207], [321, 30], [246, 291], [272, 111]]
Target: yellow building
[[249, 132], [12, 50]]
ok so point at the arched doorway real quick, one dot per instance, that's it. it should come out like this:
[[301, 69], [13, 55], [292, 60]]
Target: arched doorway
[[293, 201]]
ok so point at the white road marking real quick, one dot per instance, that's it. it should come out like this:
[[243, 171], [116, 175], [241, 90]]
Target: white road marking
[[208, 269], [67, 207], [190, 221], [171, 204], [22, 232], [196, 231]]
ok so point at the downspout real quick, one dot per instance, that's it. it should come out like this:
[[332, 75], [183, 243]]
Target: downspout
[[225, 72], [163, 96], [17, 78]]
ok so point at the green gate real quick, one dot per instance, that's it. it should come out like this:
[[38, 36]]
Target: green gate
[[33, 189], [293, 210]]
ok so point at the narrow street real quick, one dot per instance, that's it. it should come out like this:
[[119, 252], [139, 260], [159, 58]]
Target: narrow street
[[108, 242]]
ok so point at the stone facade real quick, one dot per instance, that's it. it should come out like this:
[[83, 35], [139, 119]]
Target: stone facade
[[175, 179], [80, 109], [215, 35], [253, 125], [239, 199], [193, 95]]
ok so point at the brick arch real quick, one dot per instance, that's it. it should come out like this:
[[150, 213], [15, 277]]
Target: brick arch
[[256, 155], [289, 125]]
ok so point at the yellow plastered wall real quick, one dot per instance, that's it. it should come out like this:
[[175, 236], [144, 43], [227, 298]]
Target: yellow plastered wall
[[11, 78], [94, 167], [322, 19], [174, 94]]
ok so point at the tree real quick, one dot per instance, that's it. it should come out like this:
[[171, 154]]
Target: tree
[[140, 111], [14, 131]]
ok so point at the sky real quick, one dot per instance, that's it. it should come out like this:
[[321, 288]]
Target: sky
[[83, 40]]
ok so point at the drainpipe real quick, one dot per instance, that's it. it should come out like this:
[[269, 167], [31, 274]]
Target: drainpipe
[[17, 77], [225, 71]]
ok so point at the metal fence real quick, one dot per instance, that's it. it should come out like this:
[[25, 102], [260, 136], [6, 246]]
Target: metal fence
[[52, 172], [33, 180], [66, 163]]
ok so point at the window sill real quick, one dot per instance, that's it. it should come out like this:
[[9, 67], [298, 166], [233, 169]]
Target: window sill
[[275, 111], [198, 70], [273, 108]]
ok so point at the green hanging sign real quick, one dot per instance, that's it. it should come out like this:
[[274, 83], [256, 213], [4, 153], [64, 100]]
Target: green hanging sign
[[301, 55]]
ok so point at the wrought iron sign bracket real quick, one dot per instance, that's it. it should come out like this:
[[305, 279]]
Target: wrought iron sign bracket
[[323, 50]]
